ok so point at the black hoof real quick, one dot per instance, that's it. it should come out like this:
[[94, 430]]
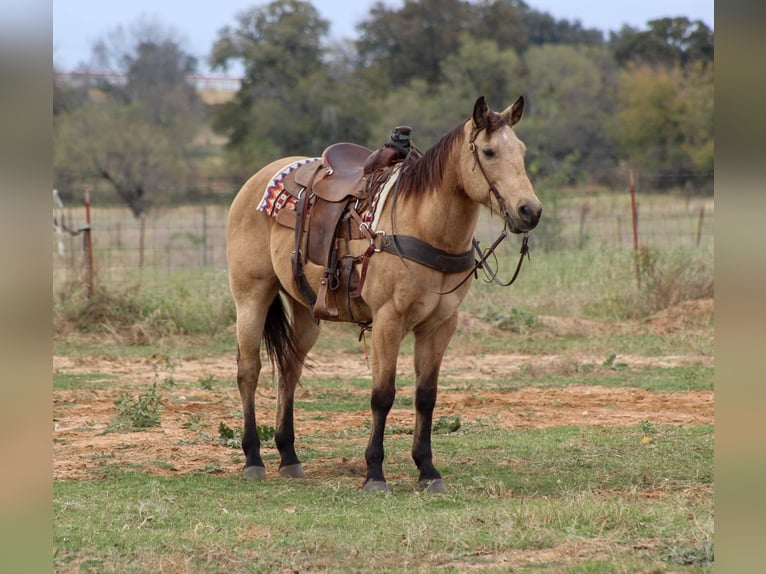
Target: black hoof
[[375, 486], [435, 486], [292, 471], [254, 473]]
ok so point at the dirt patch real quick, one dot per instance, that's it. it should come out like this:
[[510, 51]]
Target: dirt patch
[[181, 445]]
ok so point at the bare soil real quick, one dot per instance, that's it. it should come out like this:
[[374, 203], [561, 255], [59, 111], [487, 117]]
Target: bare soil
[[187, 441]]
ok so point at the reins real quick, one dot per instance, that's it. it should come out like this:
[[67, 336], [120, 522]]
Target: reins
[[480, 263]]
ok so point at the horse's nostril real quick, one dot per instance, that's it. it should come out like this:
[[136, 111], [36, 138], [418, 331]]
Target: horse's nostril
[[530, 213]]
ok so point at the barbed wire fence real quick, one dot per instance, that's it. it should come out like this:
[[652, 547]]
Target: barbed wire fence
[[192, 238]]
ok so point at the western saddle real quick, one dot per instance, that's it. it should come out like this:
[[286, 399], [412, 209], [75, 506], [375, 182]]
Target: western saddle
[[333, 192]]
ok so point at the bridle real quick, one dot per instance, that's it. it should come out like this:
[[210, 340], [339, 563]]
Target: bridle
[[492, 191], [483, 256]]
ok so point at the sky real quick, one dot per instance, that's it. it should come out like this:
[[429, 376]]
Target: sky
[[77, 24]]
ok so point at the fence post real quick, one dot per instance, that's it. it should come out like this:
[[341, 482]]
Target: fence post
[[204, 236], [635, 226], [88, 247], [141, 236], [699, 225]]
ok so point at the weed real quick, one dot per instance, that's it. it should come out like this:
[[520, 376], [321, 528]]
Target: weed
[[445, 425], [133, 414], [610, 363], [265, 432], [697, 556], [194, 423], [668, 279], [647, 427], [227, 436], [168, 366], [516, 320], [207, 382]]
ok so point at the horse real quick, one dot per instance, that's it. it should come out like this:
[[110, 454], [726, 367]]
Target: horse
[[437, 200]]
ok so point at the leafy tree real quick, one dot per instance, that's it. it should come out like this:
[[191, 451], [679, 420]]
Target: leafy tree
[[480, 67], [666, 123], [568, 108], [157, 76], [542, 28], [667, 41], [500, 21], [134, 135], [296, 97], [411, 42], [113, 142]]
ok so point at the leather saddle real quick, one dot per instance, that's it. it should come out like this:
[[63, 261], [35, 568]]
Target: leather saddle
[[332, 192], [342, 175]]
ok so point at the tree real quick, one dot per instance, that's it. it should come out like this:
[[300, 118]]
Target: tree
[[499, 21], [667, 42], [568, 109], [411, 42], [480, 68], [666, 123], [134, 135], [297, 96], [113, 142], [542, 28]]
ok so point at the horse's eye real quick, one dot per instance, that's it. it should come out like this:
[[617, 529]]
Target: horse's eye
[[488, 152]]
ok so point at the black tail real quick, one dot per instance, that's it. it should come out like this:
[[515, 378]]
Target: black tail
[[280, 342]]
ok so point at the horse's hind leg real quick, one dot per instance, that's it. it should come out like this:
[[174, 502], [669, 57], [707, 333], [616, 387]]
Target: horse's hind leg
[[305, 332], [429, 352], [251, 318]]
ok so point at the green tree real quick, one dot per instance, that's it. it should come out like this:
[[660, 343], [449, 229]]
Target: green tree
[[542, 28], [411, 42], [568, 109], [666, 41], [297, 95], [112, 142], [135, 134], [499, 21], [666, 123]]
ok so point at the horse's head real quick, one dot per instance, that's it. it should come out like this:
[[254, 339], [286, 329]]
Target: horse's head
[[492, 165]]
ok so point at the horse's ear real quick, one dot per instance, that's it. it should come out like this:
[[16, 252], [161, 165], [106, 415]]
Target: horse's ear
[[512, 114], [480, 111]]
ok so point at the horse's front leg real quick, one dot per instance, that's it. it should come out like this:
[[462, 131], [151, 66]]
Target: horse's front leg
[[387, 335], [430, 345]]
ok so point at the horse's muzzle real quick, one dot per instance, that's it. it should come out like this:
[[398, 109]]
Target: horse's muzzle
[[528, 216]]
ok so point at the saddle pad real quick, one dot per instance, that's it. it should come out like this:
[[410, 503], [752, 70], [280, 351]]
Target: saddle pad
[[275, 197], [372, 215]]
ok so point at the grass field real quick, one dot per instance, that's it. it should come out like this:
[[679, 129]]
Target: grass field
[[529, 489], [574, 429]]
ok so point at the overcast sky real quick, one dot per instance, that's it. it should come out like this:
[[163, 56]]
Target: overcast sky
[[78, 23]]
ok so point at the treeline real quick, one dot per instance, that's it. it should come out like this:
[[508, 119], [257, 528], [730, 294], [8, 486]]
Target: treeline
[[639, 98]]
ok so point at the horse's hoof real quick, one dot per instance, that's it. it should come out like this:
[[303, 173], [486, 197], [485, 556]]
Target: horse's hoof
[[375, 486], [435, 486], [254, 473], [292, 471]]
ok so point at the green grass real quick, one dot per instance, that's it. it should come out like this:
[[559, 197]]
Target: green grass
[[562, 499], [63, 381], [596, 284], [510, 492], [650, 378]]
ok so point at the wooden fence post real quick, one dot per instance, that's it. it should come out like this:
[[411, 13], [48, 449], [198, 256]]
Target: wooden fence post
[[635, 226], [88, 247], [699, 225]]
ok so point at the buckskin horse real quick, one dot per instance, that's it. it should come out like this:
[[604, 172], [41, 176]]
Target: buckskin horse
[[406, 269]]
